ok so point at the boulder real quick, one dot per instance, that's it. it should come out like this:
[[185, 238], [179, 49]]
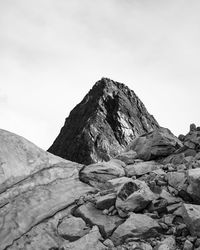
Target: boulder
[[191, 216], [141, 168], [137, 225], [128, 157], [106, 201], [159, 143], [168, 243], [93, 216], [35, 186], [176, 179], [72, 228], [133, 196], [98, 174]]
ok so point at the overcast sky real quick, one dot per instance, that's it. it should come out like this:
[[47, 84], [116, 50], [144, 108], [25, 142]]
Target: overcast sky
[[53, 51]]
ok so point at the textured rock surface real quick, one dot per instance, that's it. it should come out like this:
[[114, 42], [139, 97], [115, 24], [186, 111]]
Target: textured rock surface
[[109, 117], [137, 225], [90, 241], [36, 192], [133, 196], [191, 215], [98, 174], [159, 143]]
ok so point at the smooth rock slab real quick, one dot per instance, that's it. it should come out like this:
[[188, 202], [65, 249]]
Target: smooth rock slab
[[191, 216], [137, 225], [93, 216]]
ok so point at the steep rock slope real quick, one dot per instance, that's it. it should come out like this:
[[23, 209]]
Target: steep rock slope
[[34, 186], [103, 124]]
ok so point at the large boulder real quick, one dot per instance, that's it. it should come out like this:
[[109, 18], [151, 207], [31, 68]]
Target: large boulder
[[72, 228], [158, 143], [101, 126], [133, 196], [35, 185], [98, 174], [137, 225]]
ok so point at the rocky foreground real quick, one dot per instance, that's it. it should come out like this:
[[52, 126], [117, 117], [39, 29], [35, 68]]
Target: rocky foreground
[[147, 197], [137, 187]]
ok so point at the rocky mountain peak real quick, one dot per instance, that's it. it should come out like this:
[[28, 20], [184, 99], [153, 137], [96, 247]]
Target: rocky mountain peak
[[108, 118]]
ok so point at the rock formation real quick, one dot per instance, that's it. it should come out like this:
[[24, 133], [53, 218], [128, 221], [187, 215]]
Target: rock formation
[[108, 118], [145, 198]]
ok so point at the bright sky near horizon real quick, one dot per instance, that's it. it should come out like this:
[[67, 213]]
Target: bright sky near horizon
[[52, 52]]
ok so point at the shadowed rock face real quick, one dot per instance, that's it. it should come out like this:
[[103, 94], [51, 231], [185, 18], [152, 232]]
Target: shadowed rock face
[[108, 118]]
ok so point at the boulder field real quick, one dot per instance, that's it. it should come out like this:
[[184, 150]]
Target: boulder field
[[145, 198]]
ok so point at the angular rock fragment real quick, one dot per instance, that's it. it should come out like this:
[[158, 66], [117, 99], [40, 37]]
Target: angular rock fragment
[[98, 174], [159, 143], [90, 241], [141, 168], [193, 177], [133, 196], [137, 225], [106, 201], [191, 216]]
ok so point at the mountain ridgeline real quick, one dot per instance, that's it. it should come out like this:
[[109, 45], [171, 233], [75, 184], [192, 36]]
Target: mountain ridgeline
[[108, 118]]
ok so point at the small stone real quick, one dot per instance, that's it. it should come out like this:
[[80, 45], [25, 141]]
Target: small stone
[[111, 209], [188, 245], [105, 212], [108, 243]]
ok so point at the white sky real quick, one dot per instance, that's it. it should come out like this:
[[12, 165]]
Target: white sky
[[53, 51]]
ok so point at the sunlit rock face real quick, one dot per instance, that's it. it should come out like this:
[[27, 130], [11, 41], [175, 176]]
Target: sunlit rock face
[[108, 118]]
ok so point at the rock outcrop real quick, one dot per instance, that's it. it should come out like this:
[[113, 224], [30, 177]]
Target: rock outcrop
[[145, 198], [108, 118]]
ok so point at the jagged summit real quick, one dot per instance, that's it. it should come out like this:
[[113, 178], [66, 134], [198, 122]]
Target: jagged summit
[[102, 124]]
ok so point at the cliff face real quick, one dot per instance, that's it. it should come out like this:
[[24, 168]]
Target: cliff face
[[102, 124]]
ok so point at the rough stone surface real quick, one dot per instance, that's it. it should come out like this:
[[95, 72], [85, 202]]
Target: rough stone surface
[[98, 174], [167, 244], [108, 118], [158, 143], [133, 196], [106, 201], [193, 177], [137, 225], [41, 190], [141, 168], [191, 216]]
